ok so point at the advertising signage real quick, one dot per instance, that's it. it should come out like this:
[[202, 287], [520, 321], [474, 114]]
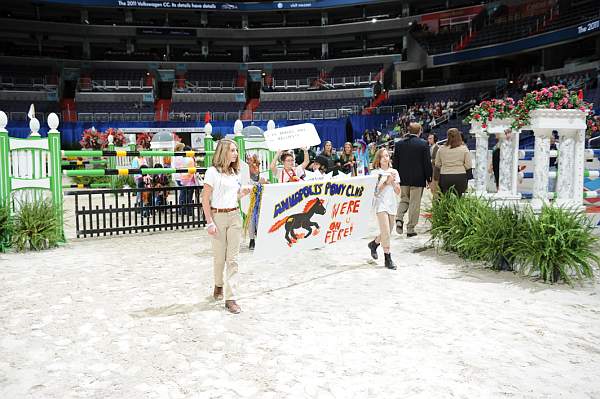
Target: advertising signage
[[213, 6]]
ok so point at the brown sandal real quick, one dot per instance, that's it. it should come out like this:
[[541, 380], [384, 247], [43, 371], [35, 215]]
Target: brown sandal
[[233, 307], [218, 293]]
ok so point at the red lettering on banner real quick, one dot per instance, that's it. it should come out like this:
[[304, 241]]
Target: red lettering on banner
[[346, 208], [336, 231]]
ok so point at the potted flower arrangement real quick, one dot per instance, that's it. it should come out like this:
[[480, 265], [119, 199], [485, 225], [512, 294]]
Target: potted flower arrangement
[[143, 140], [91, 140], [119, 139], [538, 109], [490, 110]]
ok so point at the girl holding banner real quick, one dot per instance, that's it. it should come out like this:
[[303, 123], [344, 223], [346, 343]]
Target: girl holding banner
[[289, 173], [386, 204], [220, 195]]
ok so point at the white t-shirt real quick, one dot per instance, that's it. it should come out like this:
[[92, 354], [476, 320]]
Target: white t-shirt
[[296, 174], [225, 188], [386, 199]]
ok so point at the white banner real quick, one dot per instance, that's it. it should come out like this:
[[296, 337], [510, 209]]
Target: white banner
[[292, 137], [307, 215]]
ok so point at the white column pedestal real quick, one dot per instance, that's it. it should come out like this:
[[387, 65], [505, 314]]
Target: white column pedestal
[[569, 186], [541, 160], [481, 159], [570, 124], [509, 164]]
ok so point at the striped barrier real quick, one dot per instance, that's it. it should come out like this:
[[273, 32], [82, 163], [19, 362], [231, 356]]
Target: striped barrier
[[80, 162], [590, 174], [125, 172], [527, 154], [554, 195], [123, 153]]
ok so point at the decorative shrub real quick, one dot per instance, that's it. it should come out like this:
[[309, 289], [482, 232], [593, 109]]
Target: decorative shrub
[[36, 226], [123, 181], [558, 244], [5, 227], [87, 180]]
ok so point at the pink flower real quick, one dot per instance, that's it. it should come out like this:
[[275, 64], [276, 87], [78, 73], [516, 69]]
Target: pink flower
[[551, 104]]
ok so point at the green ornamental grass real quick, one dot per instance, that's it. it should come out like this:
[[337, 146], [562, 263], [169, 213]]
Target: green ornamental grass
[[5, 227], [557, 244], [36, 226]]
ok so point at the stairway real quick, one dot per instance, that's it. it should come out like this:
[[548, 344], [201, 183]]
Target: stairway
[[161, 110], [67, 107], [375, 103], [251, 106]]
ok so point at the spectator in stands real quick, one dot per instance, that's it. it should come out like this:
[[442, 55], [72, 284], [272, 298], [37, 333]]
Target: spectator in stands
[[299, 155], [137, 163], [432, 141], [319, 167], [386, 191], [160, 181], [178, 163], [187, 180], [367, 137], [289, 172], [412, 160], [552, 163], [454, 162], [495, 166], [147, 195], [253, 162], [384, 138], [348, 160], [330, 154]]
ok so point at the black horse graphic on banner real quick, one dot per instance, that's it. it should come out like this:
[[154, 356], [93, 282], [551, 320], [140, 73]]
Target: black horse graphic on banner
[[301, 220]]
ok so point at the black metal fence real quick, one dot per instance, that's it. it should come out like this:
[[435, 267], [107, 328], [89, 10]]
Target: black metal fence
[[127, 211]]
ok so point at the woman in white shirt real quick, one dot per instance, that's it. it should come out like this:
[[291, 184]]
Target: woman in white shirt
[[386, 203], [289, 173], [220, 195]]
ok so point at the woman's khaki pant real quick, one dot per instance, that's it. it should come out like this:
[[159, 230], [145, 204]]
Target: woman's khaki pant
[[226, 247], [386, 224]]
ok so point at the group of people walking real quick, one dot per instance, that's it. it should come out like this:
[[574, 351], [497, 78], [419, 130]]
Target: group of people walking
[[416, 164]]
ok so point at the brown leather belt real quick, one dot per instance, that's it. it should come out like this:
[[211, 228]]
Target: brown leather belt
[[223, 210]]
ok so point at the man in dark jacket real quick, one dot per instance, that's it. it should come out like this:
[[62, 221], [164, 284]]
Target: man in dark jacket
[[412, 160]]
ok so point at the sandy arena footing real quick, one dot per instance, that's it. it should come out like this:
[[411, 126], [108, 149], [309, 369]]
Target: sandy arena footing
[[133, 317]]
